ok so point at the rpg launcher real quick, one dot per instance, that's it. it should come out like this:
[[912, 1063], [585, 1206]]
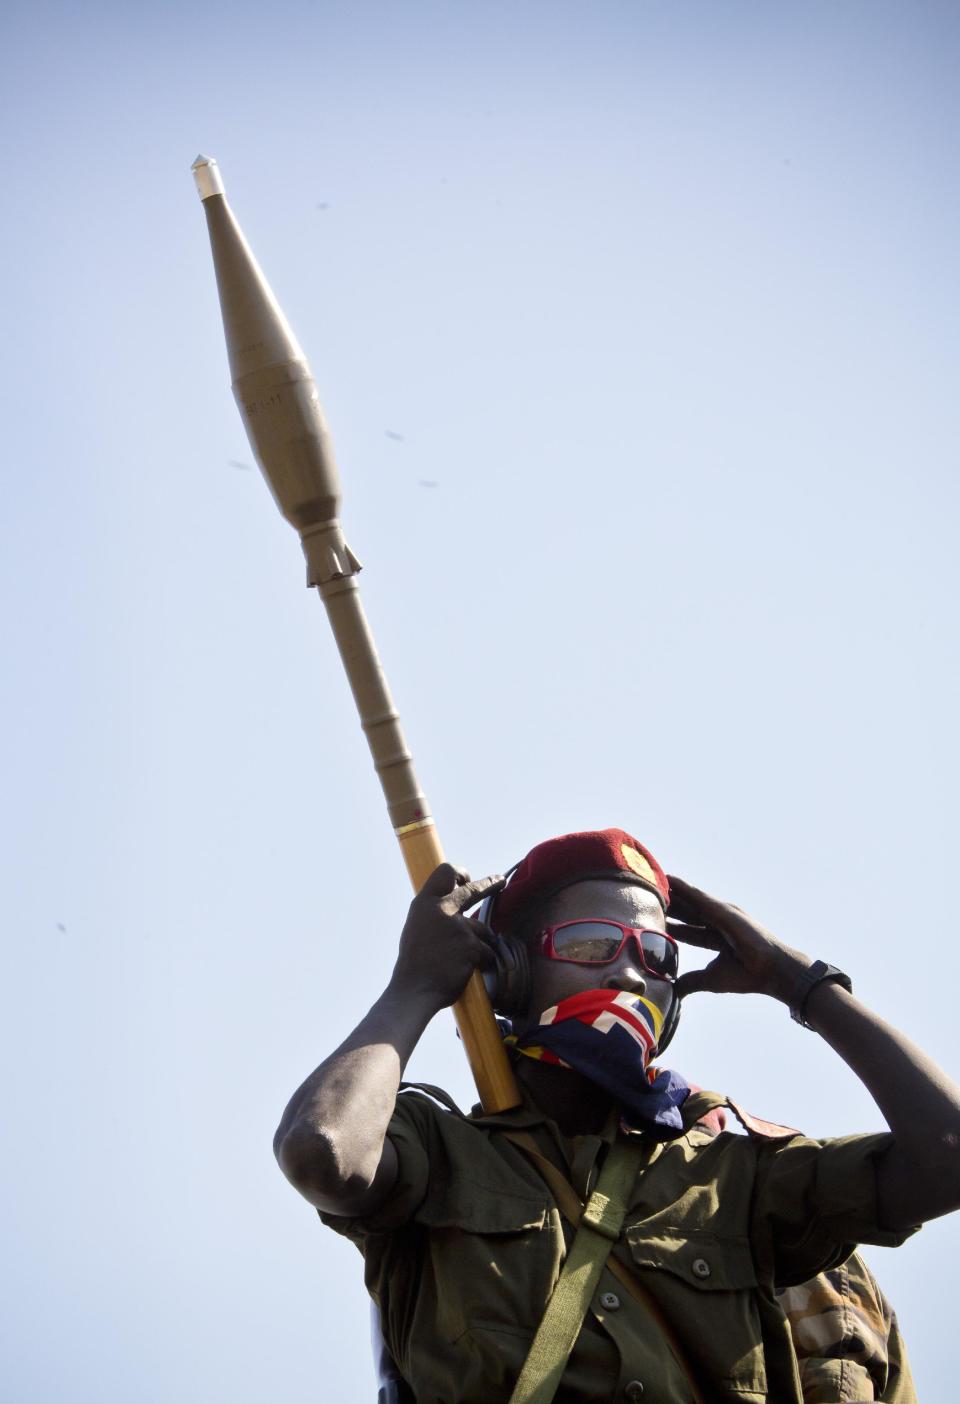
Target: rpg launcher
[[280, 408]]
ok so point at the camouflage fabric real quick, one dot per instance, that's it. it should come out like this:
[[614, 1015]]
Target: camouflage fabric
[[463, 1257], [846, 1337]]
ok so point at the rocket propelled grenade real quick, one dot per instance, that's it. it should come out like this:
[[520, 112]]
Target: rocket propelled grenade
[[280, 408], [275, 391]]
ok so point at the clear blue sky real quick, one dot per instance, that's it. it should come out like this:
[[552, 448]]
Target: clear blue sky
[[662, 298]]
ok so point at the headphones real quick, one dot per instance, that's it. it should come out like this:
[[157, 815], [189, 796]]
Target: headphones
[[508, 982]]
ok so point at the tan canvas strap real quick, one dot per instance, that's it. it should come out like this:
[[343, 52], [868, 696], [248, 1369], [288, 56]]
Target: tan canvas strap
[[572, 1209], [601, 1219]]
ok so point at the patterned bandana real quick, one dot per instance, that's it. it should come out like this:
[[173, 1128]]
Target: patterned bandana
[[610, 1036]]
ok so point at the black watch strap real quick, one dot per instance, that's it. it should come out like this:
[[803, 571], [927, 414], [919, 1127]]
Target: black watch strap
[[815, 975]]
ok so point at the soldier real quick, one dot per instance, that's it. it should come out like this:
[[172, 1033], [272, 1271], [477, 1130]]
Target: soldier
[[597, 1243]]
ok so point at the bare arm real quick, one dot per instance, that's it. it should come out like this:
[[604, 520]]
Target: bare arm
[[331, 1142], [919, 1177]]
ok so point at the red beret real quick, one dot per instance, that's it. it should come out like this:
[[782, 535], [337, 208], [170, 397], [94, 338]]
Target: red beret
[[560, 862]]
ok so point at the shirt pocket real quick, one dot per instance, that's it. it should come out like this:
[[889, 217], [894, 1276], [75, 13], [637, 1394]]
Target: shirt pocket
[[706, 1285], [491, 1257]]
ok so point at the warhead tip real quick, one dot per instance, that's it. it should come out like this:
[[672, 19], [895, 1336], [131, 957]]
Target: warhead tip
[[207, 175]]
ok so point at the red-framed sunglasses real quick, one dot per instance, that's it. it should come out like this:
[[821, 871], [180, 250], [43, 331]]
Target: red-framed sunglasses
[[597, 941]]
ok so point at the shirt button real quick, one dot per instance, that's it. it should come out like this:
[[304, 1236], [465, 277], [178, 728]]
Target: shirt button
[[633, 1391], [701, 1268], [610, 1301]]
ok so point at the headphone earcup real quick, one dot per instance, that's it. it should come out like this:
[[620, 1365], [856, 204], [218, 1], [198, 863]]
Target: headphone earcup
[[508, 981], [669, 1025]]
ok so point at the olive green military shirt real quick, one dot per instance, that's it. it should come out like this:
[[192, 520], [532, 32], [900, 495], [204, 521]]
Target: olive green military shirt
[[463, 1257]]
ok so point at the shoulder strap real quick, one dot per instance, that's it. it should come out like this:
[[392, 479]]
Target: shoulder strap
[[600, 1221], [568, 1202], [437, 1093]]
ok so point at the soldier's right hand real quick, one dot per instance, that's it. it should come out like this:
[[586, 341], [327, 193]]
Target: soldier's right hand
[[440, 948]]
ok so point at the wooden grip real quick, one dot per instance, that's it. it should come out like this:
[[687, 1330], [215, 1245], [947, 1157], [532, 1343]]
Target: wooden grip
[[496, 1084]]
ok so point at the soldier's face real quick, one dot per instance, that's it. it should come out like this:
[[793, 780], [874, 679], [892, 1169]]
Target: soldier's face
[[553, 980]]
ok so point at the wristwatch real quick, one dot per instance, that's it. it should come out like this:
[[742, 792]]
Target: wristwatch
[[815, 975]]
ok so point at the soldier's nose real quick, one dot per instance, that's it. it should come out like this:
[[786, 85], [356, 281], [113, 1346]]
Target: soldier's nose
[[628, 978]]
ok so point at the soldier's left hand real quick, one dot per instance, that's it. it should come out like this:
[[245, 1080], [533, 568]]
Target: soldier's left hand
[[750, 961]]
